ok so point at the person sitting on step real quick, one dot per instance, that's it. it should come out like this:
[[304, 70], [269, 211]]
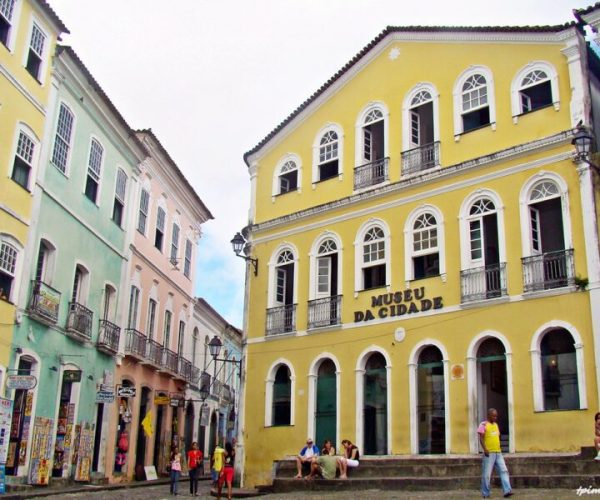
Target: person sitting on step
[[304, 458], [325, 466], [328, 448], [350, 458]]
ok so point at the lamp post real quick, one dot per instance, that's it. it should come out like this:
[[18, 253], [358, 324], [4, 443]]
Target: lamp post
[[240, 244], [583, 140]]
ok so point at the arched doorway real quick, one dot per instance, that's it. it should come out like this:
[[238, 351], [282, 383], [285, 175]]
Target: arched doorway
[[212, 433], [431, 411], [326, 403], [189, 426], [375, 406], [492, 387]]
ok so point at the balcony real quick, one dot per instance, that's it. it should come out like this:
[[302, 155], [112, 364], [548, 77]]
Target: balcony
[[135, 344], [108, 337], [548, 270], [371, 174], [153, 353], [195, 376], [281, 319], [421, 158], [44, 302], [217, 388], [185, 369], [226, 394], [483, 283], [324, 312], [79, 322], [169, 360], [204, 382]]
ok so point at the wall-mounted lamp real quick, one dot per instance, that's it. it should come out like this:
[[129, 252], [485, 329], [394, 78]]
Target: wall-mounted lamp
[[90, 377], [240, 244], [18, 350], [583, 140], [53, 369]]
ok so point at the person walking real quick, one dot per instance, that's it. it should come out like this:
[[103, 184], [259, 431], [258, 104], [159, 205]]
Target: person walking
[[217, 463], [489, 438], [194, 460], [227, 472], [175, 469]]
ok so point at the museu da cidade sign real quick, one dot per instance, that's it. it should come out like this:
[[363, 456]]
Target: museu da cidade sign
[[401, 303]]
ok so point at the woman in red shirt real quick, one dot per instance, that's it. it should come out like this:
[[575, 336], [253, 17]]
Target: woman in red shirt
[[194, 458]]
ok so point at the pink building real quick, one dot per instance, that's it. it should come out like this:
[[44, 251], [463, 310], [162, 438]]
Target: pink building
[[155, 365]]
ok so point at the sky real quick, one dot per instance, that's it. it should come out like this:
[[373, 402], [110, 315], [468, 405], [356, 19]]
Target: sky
[[213, 77]]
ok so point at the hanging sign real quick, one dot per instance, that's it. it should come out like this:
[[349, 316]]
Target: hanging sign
[[124, 391], [204, 415], [161, 399], [105, 396], [6, 406], [72, 376], [23, 382]]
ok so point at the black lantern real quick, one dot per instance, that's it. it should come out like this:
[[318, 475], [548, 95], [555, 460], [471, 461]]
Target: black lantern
[[214, 346], [582, 140], [239, 244]]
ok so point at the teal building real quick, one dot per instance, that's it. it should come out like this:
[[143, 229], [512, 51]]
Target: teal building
[[68, 321]]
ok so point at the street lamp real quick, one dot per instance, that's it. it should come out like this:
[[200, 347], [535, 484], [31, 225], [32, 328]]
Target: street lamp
[[239, 244], [583, 140], [214, 347]]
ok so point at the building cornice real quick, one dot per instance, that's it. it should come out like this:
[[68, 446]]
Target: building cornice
[[422, 179]]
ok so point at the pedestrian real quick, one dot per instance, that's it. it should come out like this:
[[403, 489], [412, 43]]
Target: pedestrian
[[175, 469], [194, 458], [227, 471], [217, 464], [489, 438], [304, 458], [350, 459]]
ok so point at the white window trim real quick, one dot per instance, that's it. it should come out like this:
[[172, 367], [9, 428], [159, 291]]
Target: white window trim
[[406, 107], [526, 248], [22, 127], [359, 137], [313, 376], [329, 127], [313, 255], [145, 185], [85, 285], [67, 171], [128, 179], [515, 86], [269, 382], [413, 393], [161, 203], [360, 393], [112, 310], [536, 363], [175, 260], [272, 265], [19, 266], [408, 241], [464, 218], [87, 167], [48, 41], [358, 253], [14, 28], [48, 274], [277, 171], [472, 376], [457, 97]]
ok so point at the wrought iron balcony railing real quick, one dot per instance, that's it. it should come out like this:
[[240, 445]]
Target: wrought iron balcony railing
[[135, 343], [217, 387], [371, 174], [326, 311], [483, 283], [169, 360], [108, 336], [154, 352], [45, 301], [548, 270], [185, 369], [421, 158], [79, 320], [205, 382], [281, 319]]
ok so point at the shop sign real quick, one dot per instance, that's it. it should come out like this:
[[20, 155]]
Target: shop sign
[[105, 396], [177, 400], [124, 391], [24, 382], [72, 376], [399, 303], [161, 399], [48, 301], [6, 406]]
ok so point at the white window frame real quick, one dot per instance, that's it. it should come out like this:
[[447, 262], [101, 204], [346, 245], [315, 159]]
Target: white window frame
[[175, 236], [14, 25], [407, 108], [358, 253], [167, 328], [188, 258], [277, 173], [121, 197], [316, 150], [359, 136], [515, 87], [314, 256], [109, 294], [524, 204], [89, 168], [409, 253], [23, 128], [141, 211], [536, 363], [458, 92], [270, 382], [464, 219], [50, 260], [133, 322], [161, 204], [10, 240], [83, 289], [273, 265], [69, 145], [45, 50]]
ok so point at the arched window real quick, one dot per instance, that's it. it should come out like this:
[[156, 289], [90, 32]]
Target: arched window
[[63, 138], [282, 396], [371, 158], [425, 254], [288, 177], [559, 371], [328, 155], [324, 303], [281, 317], [94, 171], [474, 105], [9, 256], [534, 87], [373, 259]]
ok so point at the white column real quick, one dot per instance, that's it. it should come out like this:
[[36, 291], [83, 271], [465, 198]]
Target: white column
[[312, 396], [412, 384]]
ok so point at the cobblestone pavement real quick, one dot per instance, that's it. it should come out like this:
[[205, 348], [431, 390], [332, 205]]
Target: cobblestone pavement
[[162, 492]]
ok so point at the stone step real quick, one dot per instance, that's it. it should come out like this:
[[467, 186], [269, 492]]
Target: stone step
[[281, 485]]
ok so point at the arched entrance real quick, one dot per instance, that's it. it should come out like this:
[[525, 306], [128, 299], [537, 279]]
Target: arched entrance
[[212, 433], [189, 426], [326, 403], [492, 387], [375, 406], [431, 411]]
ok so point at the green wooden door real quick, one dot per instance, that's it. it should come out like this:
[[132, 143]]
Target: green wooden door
[[325, 415], [375, 406]]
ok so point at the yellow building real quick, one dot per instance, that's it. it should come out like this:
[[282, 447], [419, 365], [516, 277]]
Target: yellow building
[[28, 33], [424, 236]]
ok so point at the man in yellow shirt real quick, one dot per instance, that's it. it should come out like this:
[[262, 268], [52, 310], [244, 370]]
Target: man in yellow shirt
[[217, 463], [489, 438]]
